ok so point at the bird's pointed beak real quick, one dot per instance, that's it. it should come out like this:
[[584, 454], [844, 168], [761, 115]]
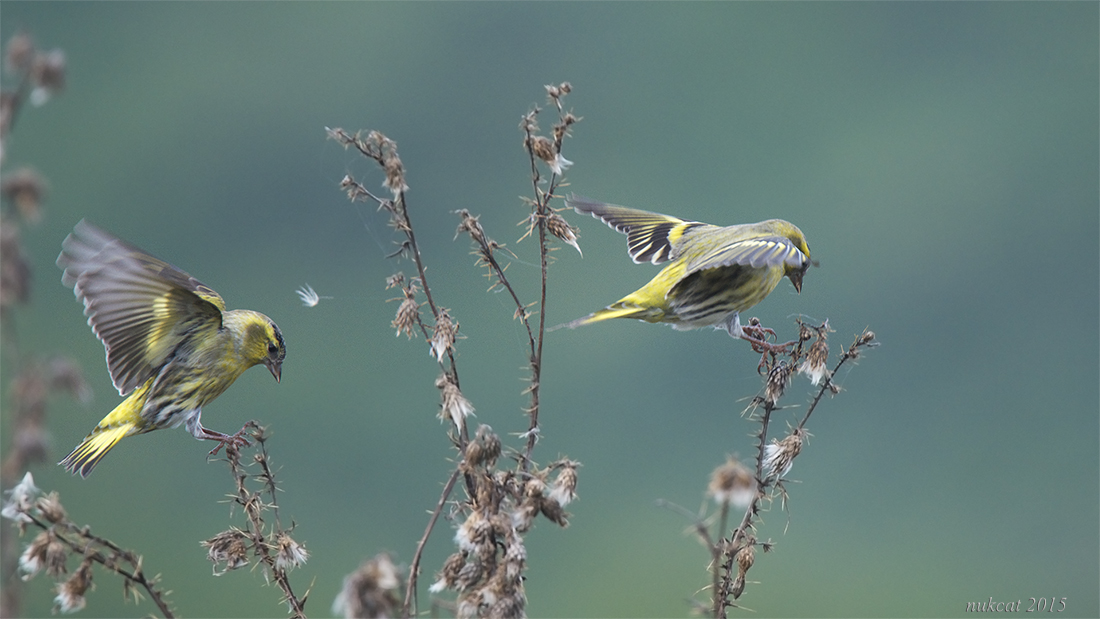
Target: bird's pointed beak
[[796, 279], [276, 368]]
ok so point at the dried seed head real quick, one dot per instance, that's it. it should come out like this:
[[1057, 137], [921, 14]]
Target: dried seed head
[[470, 225], [50, 508], [70, 594], [732, 484], [542, 148], [554, 512], [57, 553], [448, 576], [814, 365], [20, 500], [865, 338], [19, 53], [370, 591], [25, 188], [48, 74], [33, 558], [455, 406], [745, 558], [227, 547], [474, 533], [397, 280], [408, 314], [778, 379], [779, 455], [564, 488], [484, 449], [15, 270], [738, 587], [290, 554], [443, 336], [560, 228]]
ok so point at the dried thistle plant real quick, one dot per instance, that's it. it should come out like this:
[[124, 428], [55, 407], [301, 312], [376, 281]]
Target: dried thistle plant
[[60, 539], [733, 553], [262, 542], [501, 504]]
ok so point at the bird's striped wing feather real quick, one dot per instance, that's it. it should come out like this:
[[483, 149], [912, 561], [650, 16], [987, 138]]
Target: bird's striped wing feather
[[651, 237], [754, 252], [141, 307]]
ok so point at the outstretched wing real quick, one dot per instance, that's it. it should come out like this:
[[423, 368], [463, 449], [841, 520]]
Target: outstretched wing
[[753, 252], [651, 237], [140, 307]]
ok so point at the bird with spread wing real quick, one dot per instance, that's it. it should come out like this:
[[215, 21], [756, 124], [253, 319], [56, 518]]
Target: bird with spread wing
[[172, 347], [713, 274]]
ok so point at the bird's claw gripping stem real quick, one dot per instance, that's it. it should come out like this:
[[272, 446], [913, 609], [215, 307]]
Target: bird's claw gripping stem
[[229, 441]]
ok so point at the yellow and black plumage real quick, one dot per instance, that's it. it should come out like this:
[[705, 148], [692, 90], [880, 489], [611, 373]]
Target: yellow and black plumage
[[171, 344], [714, 272]]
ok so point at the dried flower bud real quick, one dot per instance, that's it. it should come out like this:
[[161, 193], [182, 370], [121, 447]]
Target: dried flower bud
[[778, 379], [779, 455], [471, 226], [732, 484], [57, 553], [370, 591], [554, 512], [19, 53], [745, 558], [474, 533], [25, 188], [542, 148], [866, 338], [290, 554], [397, 280], [738, 587], [33, 558], [560, 228], [443, 336], [15, 270], [50, 508], [816, 359], [70, 594], [395, 175], [21, 499], [48, 74], [564, 488], [484, 449], [408, 314], [227, 547], [455, 406], [448, 576]]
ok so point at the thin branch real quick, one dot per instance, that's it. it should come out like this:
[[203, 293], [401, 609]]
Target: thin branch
[[408, 609]]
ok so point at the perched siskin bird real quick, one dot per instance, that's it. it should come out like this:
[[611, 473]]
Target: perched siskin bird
[[171, 344], [714, 274]]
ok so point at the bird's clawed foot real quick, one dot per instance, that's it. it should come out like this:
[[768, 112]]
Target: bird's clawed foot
[[757, 336], [229, 441]]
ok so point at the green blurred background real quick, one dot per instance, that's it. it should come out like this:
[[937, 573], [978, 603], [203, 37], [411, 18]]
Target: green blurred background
[[942, 159]]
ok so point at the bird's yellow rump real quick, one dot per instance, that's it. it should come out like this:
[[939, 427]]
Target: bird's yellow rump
[[714, 272], [171, 344]]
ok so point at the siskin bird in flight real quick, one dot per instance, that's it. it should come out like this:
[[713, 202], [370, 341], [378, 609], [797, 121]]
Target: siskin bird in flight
[[713, 275], [171, 344]]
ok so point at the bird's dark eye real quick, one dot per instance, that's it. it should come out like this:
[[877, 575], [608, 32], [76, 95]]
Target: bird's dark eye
[[272, 348]]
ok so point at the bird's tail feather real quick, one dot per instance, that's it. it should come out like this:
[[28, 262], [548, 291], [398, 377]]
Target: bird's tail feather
[[94, 446], [618, 310]]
